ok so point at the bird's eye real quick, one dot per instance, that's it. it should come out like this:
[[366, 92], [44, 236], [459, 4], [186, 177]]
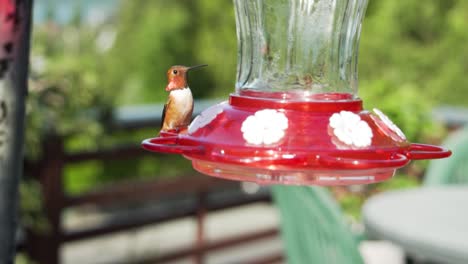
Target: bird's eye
[[174, 71]]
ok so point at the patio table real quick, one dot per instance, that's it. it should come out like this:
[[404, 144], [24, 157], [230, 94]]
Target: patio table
[[429, 223]]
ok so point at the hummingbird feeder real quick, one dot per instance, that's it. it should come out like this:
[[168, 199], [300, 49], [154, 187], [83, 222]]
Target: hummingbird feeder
[[295, 116]]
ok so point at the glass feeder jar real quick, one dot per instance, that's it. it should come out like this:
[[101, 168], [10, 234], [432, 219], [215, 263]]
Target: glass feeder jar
[[295, 116], [298, 50]]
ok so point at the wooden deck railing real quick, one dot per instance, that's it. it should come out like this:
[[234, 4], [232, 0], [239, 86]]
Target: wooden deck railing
[[46, 248]]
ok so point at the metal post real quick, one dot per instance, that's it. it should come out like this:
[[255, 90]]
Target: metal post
[[15, 25]]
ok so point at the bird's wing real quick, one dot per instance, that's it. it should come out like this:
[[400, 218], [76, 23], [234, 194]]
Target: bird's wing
[[164, 111]]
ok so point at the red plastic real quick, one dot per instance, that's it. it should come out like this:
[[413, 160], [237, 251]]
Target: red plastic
[[308, 154], [423, 151]]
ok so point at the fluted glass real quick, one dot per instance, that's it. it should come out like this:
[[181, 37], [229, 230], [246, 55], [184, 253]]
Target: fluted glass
[[298, 45]]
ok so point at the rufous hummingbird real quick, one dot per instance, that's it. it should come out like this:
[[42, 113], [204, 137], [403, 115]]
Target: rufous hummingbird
[[178, 109]]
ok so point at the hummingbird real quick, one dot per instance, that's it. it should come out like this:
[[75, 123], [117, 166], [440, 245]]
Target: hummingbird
[[178, 109]]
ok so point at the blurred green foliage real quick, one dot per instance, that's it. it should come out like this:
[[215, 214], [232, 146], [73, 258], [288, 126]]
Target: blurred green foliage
[[32, 207], [22, 258], [418, 46], [413, 56], [153, 35], [65, 95]]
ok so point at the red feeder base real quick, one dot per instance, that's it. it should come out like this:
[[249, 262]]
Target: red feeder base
[[321, 139]]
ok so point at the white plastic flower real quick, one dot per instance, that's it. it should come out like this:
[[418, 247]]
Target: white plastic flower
[[205, 117], [390, 124], [264, 127], [350, 129]]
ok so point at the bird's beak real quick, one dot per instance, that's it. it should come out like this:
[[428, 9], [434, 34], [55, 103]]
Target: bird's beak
[[196, 66]]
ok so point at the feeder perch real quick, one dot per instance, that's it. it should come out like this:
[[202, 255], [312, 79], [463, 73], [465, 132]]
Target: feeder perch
[[295, 116]]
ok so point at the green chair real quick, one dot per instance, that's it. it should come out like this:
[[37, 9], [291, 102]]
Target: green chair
[[313, 228], [452, 170]]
